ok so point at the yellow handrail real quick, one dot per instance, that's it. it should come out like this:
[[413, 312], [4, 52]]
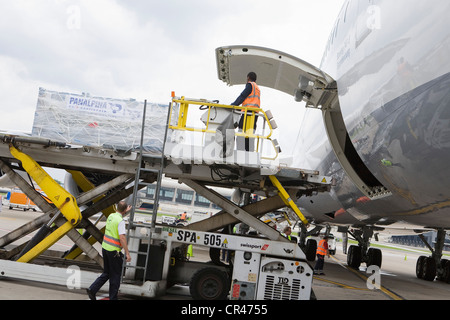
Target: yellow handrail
[[182, 116], [183, 111]]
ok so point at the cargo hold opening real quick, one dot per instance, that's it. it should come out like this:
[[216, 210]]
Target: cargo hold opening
[[349, 158]]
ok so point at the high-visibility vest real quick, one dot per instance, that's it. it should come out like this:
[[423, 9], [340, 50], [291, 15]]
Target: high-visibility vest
[[321, 248], [111, 239], [287, 236], [254, 99]]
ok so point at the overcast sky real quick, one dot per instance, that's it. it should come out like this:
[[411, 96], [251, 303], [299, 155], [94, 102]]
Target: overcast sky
[[144, 49]]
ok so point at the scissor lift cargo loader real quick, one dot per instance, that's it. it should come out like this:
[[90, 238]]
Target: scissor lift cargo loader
[[261, 268]]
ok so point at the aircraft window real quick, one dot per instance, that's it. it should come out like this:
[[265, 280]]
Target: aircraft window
[[151, 191], [166, 194], [332, 35], [145, 205], [201, 201], [215, 206], [184, 196], [337, 28], [346, 10], [362, 29]]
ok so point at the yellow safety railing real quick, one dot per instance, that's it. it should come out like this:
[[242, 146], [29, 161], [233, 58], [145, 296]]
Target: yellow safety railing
[[250, 116]]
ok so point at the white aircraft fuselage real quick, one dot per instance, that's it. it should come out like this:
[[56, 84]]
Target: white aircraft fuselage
[[391, 65]]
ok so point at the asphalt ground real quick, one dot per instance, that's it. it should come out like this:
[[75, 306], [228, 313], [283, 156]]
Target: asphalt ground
[[396, 279]]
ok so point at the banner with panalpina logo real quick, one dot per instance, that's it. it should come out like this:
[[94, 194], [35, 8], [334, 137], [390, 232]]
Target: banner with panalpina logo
[[100, 122]]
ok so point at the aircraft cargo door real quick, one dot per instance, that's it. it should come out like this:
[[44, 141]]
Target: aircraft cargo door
[[348, 157], [291, 75]]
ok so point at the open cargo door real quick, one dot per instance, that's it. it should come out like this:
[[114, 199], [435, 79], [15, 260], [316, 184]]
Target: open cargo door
[[275, 70], [288, 74]]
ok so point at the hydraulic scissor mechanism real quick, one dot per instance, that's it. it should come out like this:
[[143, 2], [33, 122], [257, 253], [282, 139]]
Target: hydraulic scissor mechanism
[[85, 185], [288, 200], [62, 215], [63, 200]]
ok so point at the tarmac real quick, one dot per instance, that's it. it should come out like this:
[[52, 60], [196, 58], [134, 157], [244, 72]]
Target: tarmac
[[395, 281]]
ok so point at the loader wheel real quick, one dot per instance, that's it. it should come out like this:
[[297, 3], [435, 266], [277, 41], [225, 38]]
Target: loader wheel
[[209, 284], [311, 249]]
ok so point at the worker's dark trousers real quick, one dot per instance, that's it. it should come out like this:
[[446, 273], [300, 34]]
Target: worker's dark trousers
[[241, 126], [320, 263], [112, 270]]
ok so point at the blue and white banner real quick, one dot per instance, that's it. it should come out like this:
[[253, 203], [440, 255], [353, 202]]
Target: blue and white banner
[[97, 121], [109, 108]]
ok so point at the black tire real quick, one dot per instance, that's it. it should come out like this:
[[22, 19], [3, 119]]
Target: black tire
[[354, 257], [209, 284], [429, 269], [310, 250], [214, 254], [445, 277], [375, 257], [419, 267]]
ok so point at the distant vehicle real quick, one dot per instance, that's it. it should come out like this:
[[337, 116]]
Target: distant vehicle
[[176, 198], [17, 199], [312, 242], [332, 244]]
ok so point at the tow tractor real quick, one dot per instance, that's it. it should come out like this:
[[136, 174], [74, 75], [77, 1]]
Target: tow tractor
[[260, 269]]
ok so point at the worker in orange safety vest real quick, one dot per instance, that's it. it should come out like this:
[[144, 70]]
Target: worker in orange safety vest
[[322, 251], [250, 98]]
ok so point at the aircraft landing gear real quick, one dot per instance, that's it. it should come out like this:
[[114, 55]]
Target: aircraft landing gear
[[362, 253], [428, 268]]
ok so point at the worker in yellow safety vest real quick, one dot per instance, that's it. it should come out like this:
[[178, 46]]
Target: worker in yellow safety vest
[[287, 232], [114, 241], [250, 98], [322, 251]]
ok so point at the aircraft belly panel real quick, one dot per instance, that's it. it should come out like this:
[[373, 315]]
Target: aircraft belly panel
[[408, 151]]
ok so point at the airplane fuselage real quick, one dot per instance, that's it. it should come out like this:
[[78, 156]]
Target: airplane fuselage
[[390, 61]]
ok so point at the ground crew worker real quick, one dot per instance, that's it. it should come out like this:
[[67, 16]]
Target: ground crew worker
[[250, 98], [287, 233], [113, 242], [322, 251], [181, 217]]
